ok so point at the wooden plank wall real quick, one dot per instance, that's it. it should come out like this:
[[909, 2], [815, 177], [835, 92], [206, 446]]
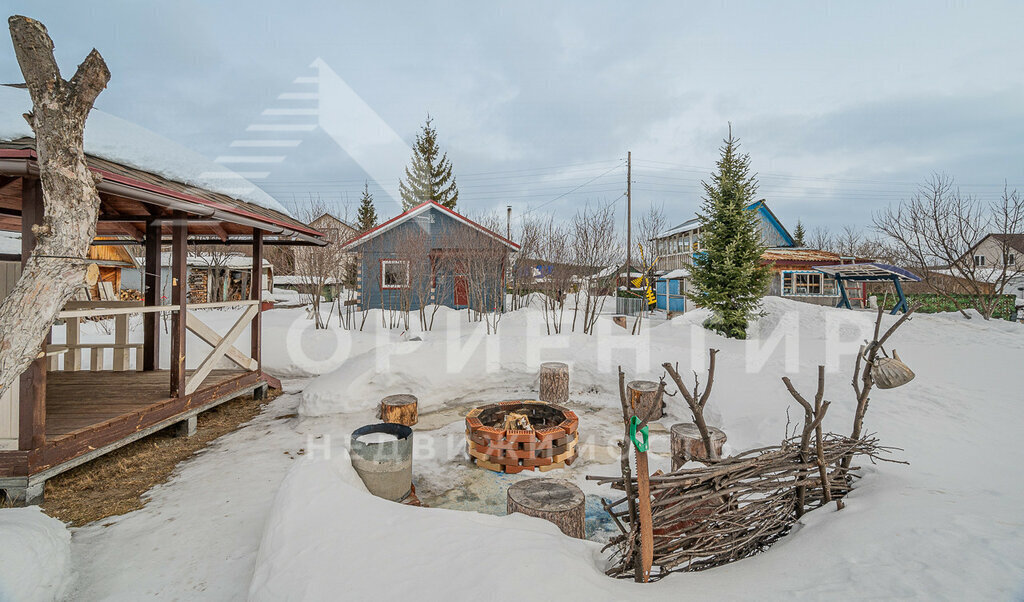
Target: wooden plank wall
[[10, 271]]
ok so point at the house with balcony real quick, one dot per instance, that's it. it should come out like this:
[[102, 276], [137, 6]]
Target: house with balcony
[[793, 270]]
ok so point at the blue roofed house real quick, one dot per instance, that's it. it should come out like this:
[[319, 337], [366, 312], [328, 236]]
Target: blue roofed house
[[431, 255], [793, 270]]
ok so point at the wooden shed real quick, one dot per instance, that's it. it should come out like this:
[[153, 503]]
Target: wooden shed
[[60, 415]]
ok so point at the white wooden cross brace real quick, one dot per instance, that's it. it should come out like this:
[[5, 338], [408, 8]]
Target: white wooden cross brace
[[221, 346]]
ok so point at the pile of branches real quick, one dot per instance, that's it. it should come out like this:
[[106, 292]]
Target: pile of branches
[[735, 507], [731, 508]]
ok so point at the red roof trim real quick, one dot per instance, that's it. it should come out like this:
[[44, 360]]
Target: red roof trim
[[31, 154], [405, 214]]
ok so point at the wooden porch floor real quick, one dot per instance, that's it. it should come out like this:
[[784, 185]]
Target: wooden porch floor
[[79, 400]]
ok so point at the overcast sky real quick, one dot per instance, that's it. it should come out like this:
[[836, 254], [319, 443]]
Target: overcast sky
[[843, 107]]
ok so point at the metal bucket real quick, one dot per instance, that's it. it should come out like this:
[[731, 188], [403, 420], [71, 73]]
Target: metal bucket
[[385, 467]]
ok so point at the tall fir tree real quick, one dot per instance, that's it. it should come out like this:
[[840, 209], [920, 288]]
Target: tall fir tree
[[429, 177], [799, 234], [366, 217], [727, 275]]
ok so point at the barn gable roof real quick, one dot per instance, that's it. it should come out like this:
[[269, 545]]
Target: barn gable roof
[[419, 210]]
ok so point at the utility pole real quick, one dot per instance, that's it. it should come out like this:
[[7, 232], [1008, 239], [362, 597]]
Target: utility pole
[[629, 216], [508, 223]]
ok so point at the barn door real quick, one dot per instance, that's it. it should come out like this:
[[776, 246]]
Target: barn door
[[461, 292]]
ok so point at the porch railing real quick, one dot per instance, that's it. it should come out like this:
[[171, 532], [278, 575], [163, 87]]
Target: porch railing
[[221, 346]]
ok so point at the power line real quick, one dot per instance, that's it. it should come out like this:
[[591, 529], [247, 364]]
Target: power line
[[545, 204]]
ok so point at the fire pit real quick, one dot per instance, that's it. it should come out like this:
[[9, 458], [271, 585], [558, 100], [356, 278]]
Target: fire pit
[[513, 436]]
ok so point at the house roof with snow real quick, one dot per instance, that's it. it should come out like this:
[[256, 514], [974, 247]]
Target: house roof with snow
[[137, 165], [420, 210], [761, 207]]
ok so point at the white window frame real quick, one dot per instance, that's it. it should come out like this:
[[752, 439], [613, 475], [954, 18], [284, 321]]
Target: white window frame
[[383, 265], [979, 261], [826, 286]]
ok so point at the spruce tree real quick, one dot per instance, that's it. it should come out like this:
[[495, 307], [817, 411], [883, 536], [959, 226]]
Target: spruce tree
[[367, 215], [429, 177], [799, 234], [727, 274]]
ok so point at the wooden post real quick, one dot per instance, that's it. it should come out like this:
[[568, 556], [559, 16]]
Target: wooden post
[[554, 382], [179, 298], [151, 296], [121, 353], [687, 443], [643, 396], [555, 500], [72, 336], [256, 293], [32, 405], [399, 409]]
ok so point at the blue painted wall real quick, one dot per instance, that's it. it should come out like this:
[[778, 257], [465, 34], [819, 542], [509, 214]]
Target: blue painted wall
[[441, 231]]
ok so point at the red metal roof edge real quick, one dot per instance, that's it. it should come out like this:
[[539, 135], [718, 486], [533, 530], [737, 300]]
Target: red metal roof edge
[[31, 154], [458, 216]]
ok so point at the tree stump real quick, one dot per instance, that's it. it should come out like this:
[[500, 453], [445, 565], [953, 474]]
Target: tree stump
[[620, 321], [554, 382], [687, 444], [642, 396], [555, 500], [399, 409]]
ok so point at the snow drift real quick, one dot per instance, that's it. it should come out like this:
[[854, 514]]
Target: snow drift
[[947, 525], [35, 556]]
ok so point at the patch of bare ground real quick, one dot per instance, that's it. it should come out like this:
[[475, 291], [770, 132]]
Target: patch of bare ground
[[115, 483]]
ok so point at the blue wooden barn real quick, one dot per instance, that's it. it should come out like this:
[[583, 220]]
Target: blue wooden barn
[[431, 255]]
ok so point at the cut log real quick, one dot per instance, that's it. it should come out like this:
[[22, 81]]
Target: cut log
[[555, 500], [643, 399], [399, 409], [554, 382], [687, 443]]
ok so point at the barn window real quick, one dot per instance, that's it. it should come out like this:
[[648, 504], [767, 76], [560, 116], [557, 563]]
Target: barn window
[[394, 273]]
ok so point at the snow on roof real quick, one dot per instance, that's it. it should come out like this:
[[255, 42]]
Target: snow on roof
[[10, 243], [690, 224], [120, 141], [417, 210], [675, 274]]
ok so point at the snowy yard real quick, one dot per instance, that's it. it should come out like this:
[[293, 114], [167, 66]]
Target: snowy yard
[[267, 513]]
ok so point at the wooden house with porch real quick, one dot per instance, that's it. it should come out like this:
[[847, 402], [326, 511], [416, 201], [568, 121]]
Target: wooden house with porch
[[60, 415]]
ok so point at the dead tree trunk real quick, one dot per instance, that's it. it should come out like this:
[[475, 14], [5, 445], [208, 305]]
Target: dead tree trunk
[[71, 203]]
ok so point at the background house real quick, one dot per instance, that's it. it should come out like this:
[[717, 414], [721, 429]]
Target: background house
[[676, 246], [431, 254], [793, 273]]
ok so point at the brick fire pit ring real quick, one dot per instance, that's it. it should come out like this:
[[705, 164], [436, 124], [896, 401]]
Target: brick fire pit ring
[[549, 444]]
